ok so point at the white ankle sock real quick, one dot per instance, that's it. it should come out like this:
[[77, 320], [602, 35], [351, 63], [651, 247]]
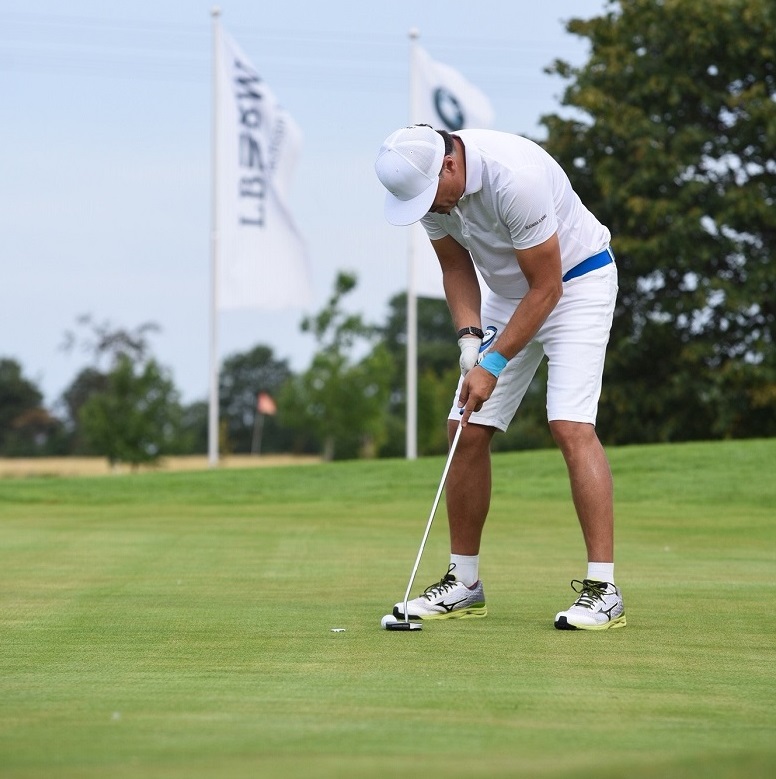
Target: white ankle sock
[[601, 572], [467, 568]]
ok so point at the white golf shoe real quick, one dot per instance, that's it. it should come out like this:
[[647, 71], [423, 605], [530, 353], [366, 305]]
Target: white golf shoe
[[598, 607], [447, 599]]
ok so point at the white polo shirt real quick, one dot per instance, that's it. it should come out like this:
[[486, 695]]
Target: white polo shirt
[[516, 197]]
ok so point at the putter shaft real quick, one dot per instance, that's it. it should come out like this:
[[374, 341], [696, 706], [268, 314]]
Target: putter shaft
[[453, 447]]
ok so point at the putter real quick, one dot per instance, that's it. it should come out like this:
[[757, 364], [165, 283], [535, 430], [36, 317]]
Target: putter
[[406, 624]]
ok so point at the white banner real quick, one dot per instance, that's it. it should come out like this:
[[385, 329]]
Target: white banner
[[443, 98], [261, 257]]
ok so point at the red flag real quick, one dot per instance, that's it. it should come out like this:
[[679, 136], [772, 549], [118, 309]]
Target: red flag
[[265, 404]]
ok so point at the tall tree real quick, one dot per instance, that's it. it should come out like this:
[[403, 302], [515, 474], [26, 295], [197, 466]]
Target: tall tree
[[341, 399], [194, 424], [675, 151], [243, 376], [88, 382], [136, 418], [104, 342], [126, 404], [26, 428]]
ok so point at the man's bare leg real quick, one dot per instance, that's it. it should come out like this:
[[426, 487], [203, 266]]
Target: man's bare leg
[[591, 486], [467, 492]]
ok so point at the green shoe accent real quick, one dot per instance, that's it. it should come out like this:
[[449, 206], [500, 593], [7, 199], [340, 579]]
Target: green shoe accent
[[475, 611]]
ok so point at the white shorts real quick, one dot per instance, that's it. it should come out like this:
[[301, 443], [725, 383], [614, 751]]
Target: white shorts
[[574, 338]]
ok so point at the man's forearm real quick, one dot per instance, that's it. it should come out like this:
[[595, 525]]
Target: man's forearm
[[462, 291]]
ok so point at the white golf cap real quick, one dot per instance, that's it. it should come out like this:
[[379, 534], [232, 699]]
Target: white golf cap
[[408, 166]]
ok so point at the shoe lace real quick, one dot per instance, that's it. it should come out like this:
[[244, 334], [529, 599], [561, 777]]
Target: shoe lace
[[445, 584], [590, 592]]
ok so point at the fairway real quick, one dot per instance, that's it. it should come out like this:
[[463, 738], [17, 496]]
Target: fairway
[[179, 625]]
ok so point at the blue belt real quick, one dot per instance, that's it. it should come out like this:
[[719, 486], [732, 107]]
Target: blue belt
[[591, 263]]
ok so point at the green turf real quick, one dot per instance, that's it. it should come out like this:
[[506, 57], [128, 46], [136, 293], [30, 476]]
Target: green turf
[[179, 625]]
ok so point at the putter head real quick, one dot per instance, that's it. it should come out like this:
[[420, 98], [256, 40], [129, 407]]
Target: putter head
[[404, 626]]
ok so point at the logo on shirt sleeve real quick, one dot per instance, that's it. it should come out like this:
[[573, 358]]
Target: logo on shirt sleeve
[[537, 222]]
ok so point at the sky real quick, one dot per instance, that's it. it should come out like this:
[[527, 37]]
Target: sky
[[105, 182]]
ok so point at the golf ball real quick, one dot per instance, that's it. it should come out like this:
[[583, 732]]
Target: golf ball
[[387, 620]]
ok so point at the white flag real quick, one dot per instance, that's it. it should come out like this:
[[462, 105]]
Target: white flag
[[261, 257], [443, 98]]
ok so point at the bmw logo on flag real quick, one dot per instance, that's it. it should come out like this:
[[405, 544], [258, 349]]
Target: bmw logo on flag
[[448, 109]]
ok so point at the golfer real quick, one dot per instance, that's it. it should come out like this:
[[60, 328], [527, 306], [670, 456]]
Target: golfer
[[499, 203]]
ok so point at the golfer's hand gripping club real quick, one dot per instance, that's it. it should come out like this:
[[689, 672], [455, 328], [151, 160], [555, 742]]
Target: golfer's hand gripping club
[[470, 352], [477, 387]]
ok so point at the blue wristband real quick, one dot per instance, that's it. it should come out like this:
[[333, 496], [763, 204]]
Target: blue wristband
[[494, 363]]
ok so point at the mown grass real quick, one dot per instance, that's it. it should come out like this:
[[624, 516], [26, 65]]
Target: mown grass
[[179, 624]]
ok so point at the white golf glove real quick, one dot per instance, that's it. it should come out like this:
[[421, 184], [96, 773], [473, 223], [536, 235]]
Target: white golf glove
[[470, 352]]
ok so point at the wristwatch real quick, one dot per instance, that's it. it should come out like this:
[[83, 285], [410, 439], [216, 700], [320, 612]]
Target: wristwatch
[[471, 331]]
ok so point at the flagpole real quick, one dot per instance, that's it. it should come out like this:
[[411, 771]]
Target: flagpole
[[212, 430], [412, 298]]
